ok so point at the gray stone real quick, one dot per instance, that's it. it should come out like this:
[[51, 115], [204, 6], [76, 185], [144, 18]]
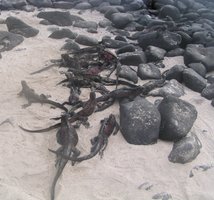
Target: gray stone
[[139, 121], [193, 80], [165, 40], [59, 18], [172, 87], [104, 23], [175, 52], [127, 73], [11, 4], [85, 24], [63, 5], [198, 54], [70, 46], [86, 40], [154, 53], [176, 72], [83, 6], [120, 20], [63, 33], [41, 3], [148, 71], [111, 43], [185, 150], [132, 58], [208, 92], [171, 11], [17, 26], [127, 48], [199, 68], [9, 40], [177, 118]]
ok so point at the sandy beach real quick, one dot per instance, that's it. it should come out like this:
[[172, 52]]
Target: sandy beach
[[126, 172]]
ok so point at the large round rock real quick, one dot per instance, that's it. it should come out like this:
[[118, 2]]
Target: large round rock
[[17, 26], [120, 20], [185, 150], [177, 118], [139, 121]]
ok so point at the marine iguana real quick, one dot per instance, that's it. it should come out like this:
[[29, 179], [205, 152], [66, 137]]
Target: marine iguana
[[32, 97], [68, 138]]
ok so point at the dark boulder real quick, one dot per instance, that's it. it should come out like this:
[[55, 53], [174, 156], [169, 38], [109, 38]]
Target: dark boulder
[[86, 40], [127, 73], [41, 3], [120, 20], [17, 26], [208, 92], [199, 68], [139, 121], [95, 3], [127, 48], [185, 150], [165, 40], [132, 58], [70, 46], [12, 4], [154, 54], [114, 44], [63, 33], [9, 40], [148, 71], [195, 53], [63, 5], [193, 80], [59, 18], [175, 52], [210, 79], [176, 72], [171, 11], [177, 118], [83, 6], [104, 23], [85, 24], [172, 87]]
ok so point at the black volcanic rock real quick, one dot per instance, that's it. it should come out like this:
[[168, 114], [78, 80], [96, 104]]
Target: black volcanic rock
[[120, 20], [165, 40], [70, 46], [86, 40], [177, 118], [111, 43], [176, 72], [63, 33], [127, 48], [175, 52], [154, 53], [127, 73], [17, 26], [12, 4], [171, 11], [148, 71], [199, 68], [59, 18], [132, 58], [9, 40], [185, 150], [85, 24], [83, 6], [172, 87], [193, 80], [208, 92], [143, 121], [41, 3], [195, 53]]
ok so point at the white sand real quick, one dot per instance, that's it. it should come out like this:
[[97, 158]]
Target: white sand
[[27, 167]]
